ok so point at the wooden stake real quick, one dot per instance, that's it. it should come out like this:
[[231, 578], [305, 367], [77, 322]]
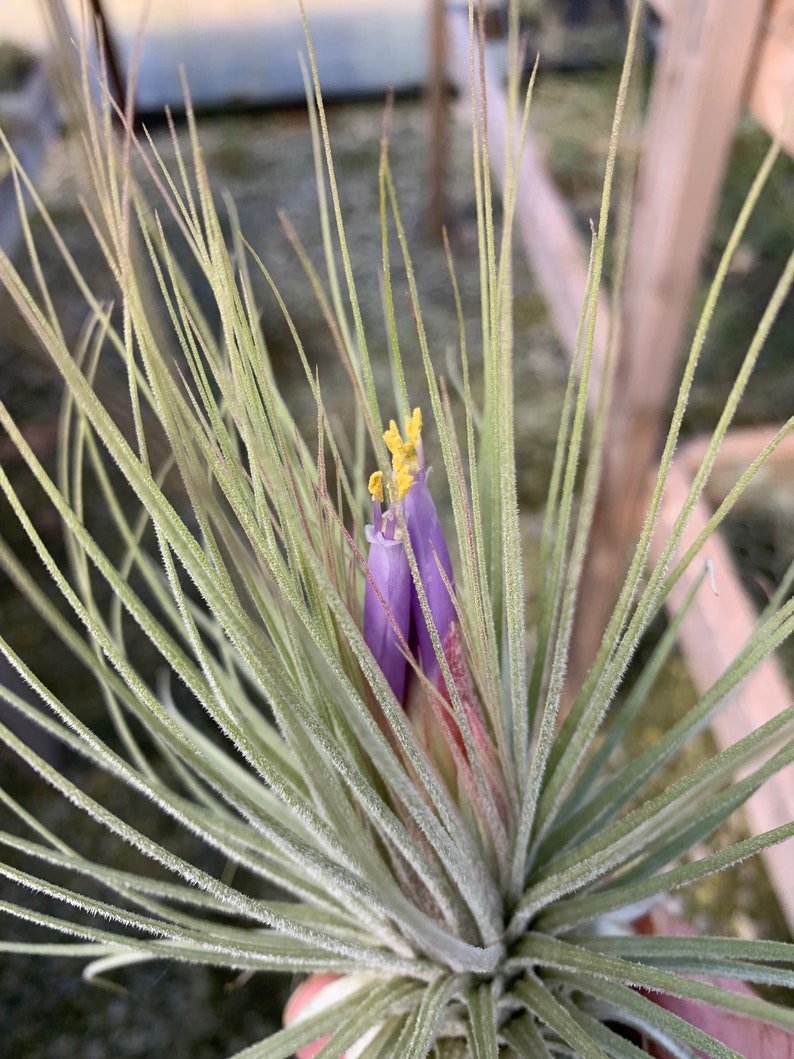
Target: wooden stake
[[107, 47], [697, 95]]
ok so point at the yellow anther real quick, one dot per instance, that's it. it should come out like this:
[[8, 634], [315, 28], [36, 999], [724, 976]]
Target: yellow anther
[[403, 479], [393, 439], [414, 428], [404, 460], [375, 486]]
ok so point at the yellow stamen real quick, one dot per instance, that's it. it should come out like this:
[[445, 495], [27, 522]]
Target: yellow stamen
[[375, 486], [414, 428], [404, 459], [402, 480], [393, 439]]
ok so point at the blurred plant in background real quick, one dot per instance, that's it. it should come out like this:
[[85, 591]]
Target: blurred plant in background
[[356, 715]]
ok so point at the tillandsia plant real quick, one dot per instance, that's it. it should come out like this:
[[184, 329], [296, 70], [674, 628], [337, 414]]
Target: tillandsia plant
[[359, 718]]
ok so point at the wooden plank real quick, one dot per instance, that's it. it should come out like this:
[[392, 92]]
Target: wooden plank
[[738, 450], [771, 93], [695, 103], [712, 634], [544, 222], [779, 20]]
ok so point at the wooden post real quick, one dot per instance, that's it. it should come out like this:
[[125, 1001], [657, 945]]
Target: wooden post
[[707, 50]]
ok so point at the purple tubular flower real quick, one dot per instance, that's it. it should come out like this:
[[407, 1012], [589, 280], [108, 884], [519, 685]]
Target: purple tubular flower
[[432, 557], [401, 637], [389, 571]]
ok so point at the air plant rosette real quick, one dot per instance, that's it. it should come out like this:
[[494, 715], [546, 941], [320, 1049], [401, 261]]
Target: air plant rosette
[[367, 724]]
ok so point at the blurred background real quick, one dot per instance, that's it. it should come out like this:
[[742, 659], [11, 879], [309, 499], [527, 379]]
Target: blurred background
[[240, 61], [245, 50]]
